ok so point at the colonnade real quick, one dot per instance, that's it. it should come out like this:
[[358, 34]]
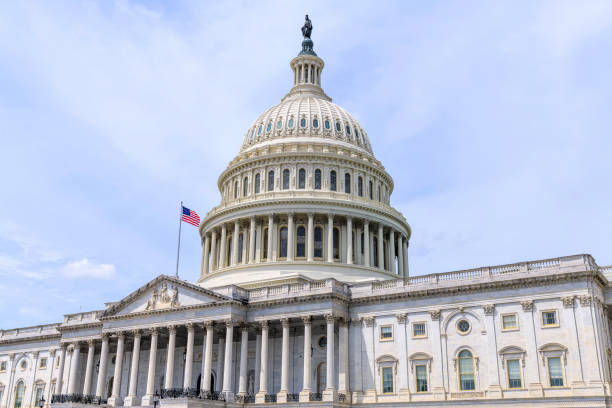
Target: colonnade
[[307, 237], [224, 366]]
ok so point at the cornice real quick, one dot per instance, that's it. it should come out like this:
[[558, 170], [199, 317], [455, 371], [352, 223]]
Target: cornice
[[31, 339], [76, 327], [259, 304], [213, 305]]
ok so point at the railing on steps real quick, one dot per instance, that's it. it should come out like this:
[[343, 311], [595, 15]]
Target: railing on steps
[[191, 393], [244, 399], [316, 396], [293, 397], [77, 398], [341, 397]]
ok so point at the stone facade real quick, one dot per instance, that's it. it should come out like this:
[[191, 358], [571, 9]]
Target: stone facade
[[305, 298]]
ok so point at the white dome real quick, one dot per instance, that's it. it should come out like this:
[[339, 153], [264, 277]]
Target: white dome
[[306, 117]]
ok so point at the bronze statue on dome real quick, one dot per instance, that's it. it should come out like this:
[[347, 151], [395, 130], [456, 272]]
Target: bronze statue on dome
[[307, 28]]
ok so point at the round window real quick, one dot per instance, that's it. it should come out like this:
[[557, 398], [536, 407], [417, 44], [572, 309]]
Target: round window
[[303, 122], [327, 125], [463, 326], [290, 123], [315, 123], [279, 124], [323, 342]]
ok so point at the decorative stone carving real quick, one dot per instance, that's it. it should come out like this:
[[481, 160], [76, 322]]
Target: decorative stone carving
[[401, 318], [369, 321], [229, 323], [284, 321], [435, 314], [568, 301], [585, 300], [330, 317], [488, 309], [172, 329], [527, 305], [264, 324], [209, 323], [163, 298], [307, 320]]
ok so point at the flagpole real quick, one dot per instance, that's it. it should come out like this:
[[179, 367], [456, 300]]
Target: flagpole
[[178, 249]]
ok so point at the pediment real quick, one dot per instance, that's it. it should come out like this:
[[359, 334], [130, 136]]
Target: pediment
[[163, 293]]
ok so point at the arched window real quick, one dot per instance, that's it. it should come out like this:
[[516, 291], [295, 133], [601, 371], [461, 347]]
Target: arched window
[[271, 180], [235, 189], [318, 242], [264, 242], [257, 183], [19, 391], [347, 183], [283, 242], [286, 179], [466, 371], [332, 180], [338, 127], [245, 187], [360, 186], [371, 190], [40, 389], [279, 124], [240, 247], [327, 125], [317, 179], [290, 123], [302, 179], [269, 127], [303, 122], [336, 242], [300, 249]]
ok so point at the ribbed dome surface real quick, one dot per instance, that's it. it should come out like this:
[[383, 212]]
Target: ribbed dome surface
[[306, 117]]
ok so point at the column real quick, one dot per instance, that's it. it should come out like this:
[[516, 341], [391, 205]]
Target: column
[[290, 237], [258, 242], [115, 399], [366, 243], [102, 369], [220, 361], [222, 246], [494, 389], [400, 255], [227, 369], [213, 250], [263, 371], [257, 359], [306, 388], [147, 400], [244, 360], [205, 380], [349, 240], [234, 259], [343, 362], [310, 235], [52, 356], [381, 247], [330, 237], [132, 399], [330, 393], [270, 236], [284, 388], [252, 239], [169, 378], [188, 357], [74, 368], [89, 367], [205, 252], [392, 252], [404, 390], [245, 247], [405, 252]]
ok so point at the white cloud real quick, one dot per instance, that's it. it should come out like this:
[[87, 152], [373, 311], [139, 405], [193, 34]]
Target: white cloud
[[88, 269]]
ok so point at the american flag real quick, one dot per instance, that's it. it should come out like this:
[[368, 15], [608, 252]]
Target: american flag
[[190, 216]]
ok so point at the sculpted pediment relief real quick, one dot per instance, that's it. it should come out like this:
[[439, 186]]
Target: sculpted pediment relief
[[163, 298]]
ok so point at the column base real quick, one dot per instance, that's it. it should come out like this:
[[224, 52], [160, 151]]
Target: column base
[[305, 396], [228, 395], [115, 401], [147, 400], [330, 394], [131, 401], [281, 396], [536, 390], [494, 391], [439, 393], [260, 397]]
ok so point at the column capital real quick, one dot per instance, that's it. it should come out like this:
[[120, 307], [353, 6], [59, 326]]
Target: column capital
[[154, 331], [435, 314], [330, 215], [284, 322], [401, 318], [264, 324], [229, 323], [368, 320], [120, 335], [488, 309], [330, 318], [252, 218], [244, 326], [136, 333], [91, 342], [171, 329], [190, 326], [52, 351], [307, 320], [310, 214], [270, 217], [527, 305], [209, 323], [291, 214], [585, 300], [355, 321], [568, 301]]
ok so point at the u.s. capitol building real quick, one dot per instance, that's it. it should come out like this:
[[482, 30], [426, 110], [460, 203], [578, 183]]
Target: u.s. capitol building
[[305, 299]]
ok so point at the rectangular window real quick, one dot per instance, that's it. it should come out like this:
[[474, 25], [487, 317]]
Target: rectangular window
[[43, 363], [386, 333], [418, 330], [555, 374], [3, 366], [549, 318], [509, 322], [39, 394], [387, 380], [421, 378], [514, 374]]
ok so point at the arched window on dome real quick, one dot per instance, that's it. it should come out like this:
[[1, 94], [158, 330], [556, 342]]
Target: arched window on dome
[[466, 371], [338, 127], [336, 243], [371, 190], [318, 242], [347, 183], [245, 187], [303, 123], [290, 123], [283, 242], [271, 180], [269, 127], [315, 123], [327, 124], [300, 248], [357, 136], [257, 183], [235, 189], [302, 179], [252, 133], [259, 130], [317, 179], [286, 179], [279, 124], [264, 242], [348, 130], [332, 180], [360, 186]]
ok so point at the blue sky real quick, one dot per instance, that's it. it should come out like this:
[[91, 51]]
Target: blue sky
[[492, 117]]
